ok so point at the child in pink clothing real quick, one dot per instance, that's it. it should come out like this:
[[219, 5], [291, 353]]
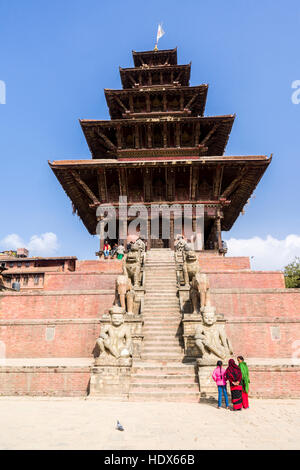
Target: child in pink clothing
[[219, 377]]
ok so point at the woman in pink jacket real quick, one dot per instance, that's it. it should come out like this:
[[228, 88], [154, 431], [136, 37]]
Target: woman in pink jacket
[[219, 377]]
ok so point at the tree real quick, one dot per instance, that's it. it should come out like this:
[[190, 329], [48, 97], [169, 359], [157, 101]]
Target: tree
[[292, 273]]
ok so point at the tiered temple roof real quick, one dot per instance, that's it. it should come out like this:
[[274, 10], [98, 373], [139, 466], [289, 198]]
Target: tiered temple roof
[[159, 147]]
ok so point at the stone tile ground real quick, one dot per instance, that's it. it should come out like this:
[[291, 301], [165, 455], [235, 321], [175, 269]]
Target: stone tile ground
[[68, 423]]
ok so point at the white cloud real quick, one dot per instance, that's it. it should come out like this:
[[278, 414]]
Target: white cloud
[[268, 254], [38, 245]]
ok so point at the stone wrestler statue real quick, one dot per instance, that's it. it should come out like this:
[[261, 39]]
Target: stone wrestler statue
[[115, 339], [211, 339]]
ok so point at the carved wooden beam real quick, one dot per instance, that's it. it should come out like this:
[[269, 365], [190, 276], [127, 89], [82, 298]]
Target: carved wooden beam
[[85, 187], [107, 141], [148, 106], [164, 102], [119, 137], [232, 186], [147, 184], [181, 101], [131, 79], [197, 133], [102, 189], [179, 76], [121, 103], [177, 134], [188, 105], [149, 136], [194, 182], [218, 181], [123, 181], [131, 103], [137, 137], [211, 132], [165, 134]]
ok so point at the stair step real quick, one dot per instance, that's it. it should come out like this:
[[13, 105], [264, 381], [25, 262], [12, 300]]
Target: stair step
[[167, 356], [174, 378], [172, 387], [164, 396]]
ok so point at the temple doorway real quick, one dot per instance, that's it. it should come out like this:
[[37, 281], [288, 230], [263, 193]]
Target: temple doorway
[[159, 229]]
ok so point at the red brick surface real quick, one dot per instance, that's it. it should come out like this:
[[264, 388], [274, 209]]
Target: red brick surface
[[265, 382], [44, 381], [255, 340], [55, 305], [249, 303], [242, 279], [252, 302], [274, 382], [222, 263], [79, 280], [70, 339], [105, 266]]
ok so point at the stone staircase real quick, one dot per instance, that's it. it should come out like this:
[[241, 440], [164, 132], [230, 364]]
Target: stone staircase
[[161, 374]]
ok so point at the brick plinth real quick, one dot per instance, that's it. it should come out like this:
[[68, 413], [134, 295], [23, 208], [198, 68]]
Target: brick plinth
[[49, 338], [56, 304], [44, 381]]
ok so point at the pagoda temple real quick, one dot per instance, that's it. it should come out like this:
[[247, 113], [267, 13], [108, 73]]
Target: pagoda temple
[[160, 148]]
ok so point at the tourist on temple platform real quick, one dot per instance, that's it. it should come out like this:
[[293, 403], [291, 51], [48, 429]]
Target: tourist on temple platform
[[106, 249], [120, 251], [219, 377], [234, 375], [113, 250], [245, 381]]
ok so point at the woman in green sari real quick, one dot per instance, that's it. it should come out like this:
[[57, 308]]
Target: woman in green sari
[[245, 381]]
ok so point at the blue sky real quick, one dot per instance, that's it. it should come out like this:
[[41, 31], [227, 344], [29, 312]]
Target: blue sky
[[58, 56]]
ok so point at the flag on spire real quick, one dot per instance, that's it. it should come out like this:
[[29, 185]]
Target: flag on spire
[[160, 33]]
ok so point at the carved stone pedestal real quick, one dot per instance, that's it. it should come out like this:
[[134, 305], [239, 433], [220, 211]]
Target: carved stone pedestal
[[110, 381], [207, 386]]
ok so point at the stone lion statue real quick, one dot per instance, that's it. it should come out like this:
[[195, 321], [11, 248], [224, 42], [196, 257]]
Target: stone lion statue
[[200, 290], [132, 265], [191, 266], [199, 284], [124, 296]]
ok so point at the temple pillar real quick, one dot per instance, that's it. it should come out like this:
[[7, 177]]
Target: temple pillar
[[149, 233], [219, 232], [172, 233]]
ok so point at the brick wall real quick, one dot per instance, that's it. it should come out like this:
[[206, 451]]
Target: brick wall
[[55, 304], [105, 266], [249, 303], [274, 382], [266, 381], [261, 339], [224, 263], [34, 339], [44, 381], [242, 279], [80, 280]]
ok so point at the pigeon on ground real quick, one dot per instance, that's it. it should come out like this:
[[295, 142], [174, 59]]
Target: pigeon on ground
[[119, 426]]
